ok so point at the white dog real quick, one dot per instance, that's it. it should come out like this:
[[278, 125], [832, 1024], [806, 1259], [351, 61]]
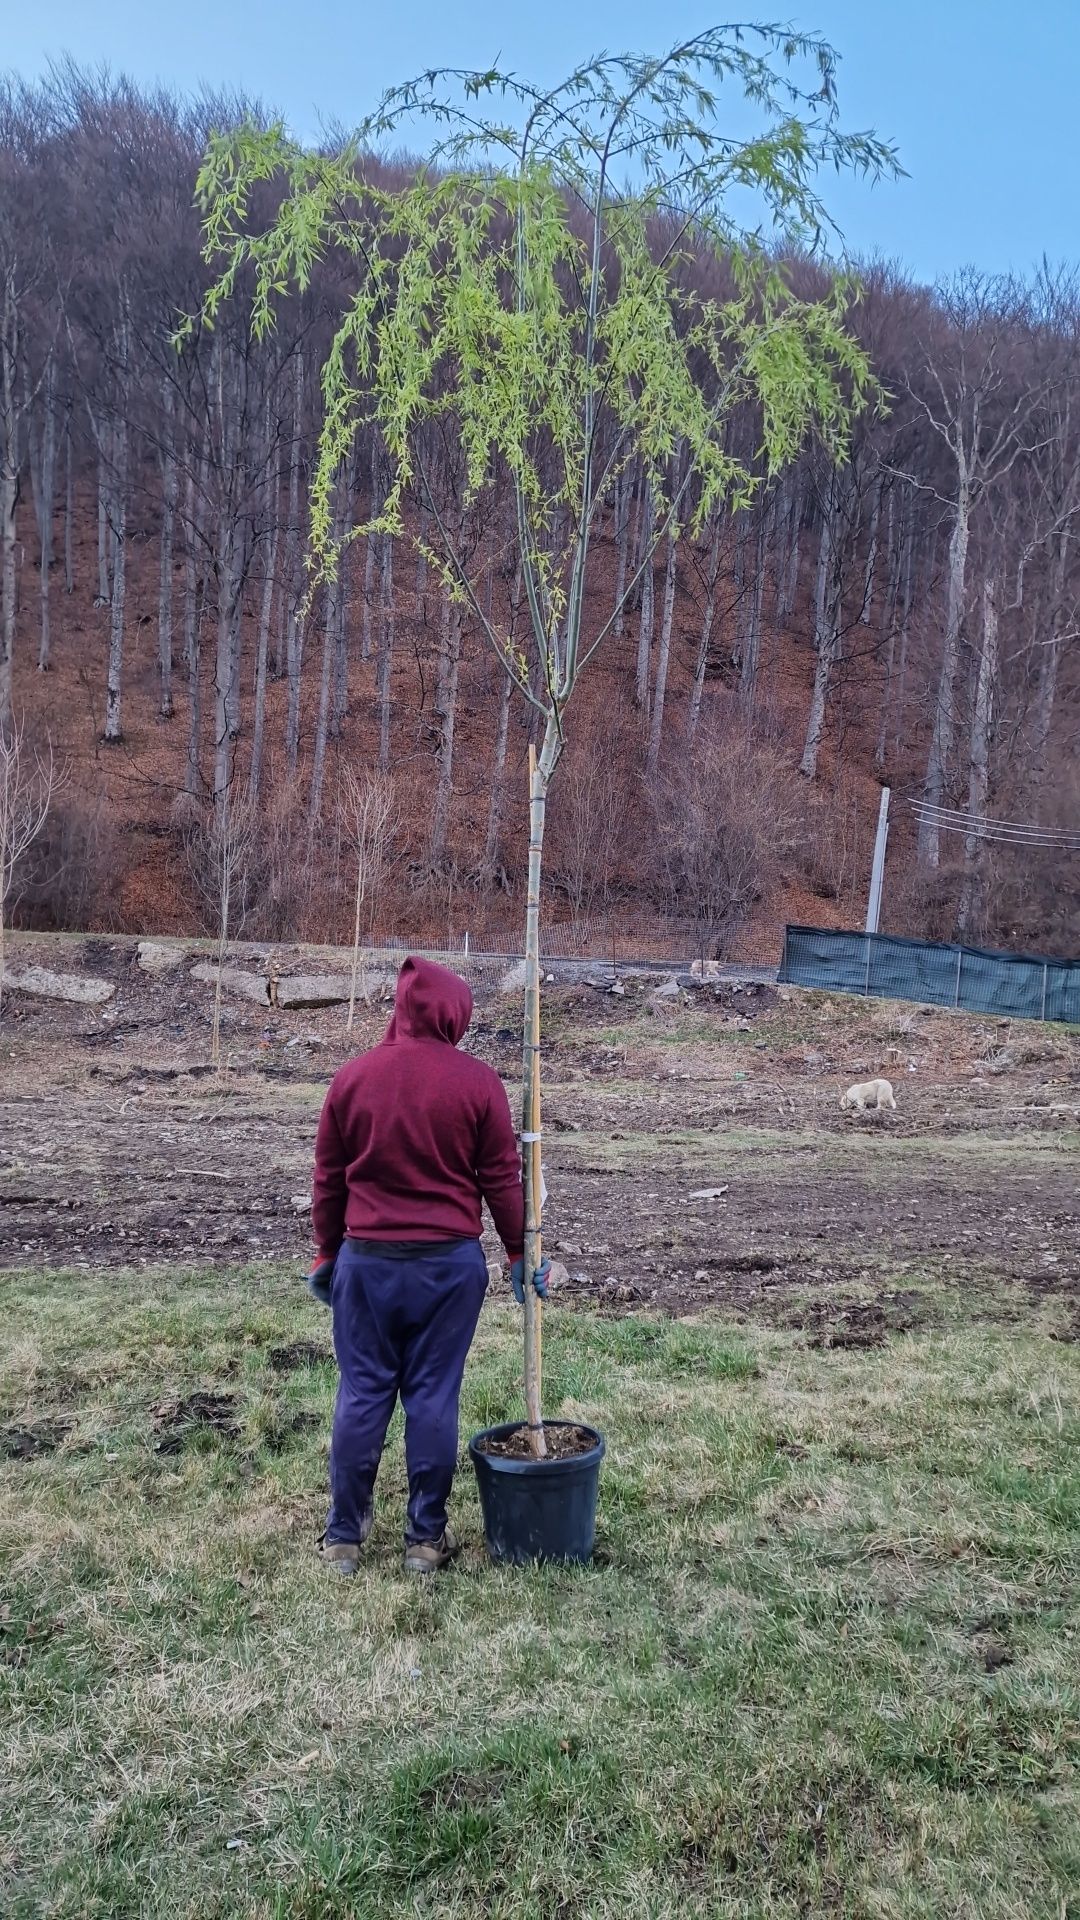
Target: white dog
[[871, 1093]]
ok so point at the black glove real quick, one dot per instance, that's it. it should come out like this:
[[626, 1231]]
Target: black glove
[[317, 1280], [539, 1279]]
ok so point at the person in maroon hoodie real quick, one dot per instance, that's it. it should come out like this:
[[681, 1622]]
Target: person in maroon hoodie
[[413, 1136]]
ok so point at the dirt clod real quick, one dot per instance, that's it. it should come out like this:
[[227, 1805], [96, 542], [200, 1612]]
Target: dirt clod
[[176, 1420], [29, 1443]]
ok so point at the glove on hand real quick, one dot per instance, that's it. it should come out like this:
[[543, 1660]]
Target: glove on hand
[[539, 1279], [317, 1280]]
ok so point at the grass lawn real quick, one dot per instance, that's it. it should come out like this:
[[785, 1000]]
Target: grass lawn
[[827, 1660]]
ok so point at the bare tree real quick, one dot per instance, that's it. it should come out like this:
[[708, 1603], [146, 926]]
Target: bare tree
[[983, 417], [722, 820], [368, 813], [220, 847]]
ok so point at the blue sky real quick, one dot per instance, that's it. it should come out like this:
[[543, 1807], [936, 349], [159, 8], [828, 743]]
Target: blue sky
[[979, 95]]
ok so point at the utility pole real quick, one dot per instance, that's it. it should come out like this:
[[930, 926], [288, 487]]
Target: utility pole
[[877, 871]]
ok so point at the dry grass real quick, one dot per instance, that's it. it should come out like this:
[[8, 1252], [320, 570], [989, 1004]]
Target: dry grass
[[825, 1663]]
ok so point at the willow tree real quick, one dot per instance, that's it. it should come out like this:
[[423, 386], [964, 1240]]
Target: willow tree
[[536, 284]]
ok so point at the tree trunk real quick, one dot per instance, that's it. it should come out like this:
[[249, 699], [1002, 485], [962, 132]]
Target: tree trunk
[[9, 486], [871, 560], [105, 456], [622, 546], [193, 494], [498, 766], [540, 771], [790, 585], [69, 505], [1051, 654], [422, 544], [227, 659], [752, 645], [711, 576], [114, 730], [895, 547], [165, 571], [660, 692], [339, 705], [982, 720], [941, 740], [293, 574], [645, 625], [826, 640], [369, 556], [331, 600], [905, 627], [446, 712], [739, 584], [46, 488], [262, 643], [386, 647]]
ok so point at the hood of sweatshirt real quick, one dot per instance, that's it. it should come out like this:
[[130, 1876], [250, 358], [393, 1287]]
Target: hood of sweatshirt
[[431, 1003]]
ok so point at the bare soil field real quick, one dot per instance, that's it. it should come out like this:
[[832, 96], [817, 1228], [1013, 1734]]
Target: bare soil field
[[696, 1154]]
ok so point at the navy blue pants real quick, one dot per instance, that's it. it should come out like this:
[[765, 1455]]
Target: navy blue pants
[[401, 1326]]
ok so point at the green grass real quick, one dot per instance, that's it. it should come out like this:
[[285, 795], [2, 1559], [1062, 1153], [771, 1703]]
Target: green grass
[[826, 1661]]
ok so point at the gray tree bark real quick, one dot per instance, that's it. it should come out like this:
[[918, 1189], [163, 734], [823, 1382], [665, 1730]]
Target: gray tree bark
[[47, 487], [711, 576], [69, 504], [656, 727], [10, 462], [386, 648], [982, 721], [165, 573], [114, 730], [645, 624], [446, 693], [827, 604]]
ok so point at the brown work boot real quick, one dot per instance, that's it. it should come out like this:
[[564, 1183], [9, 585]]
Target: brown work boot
[[343, 1556], [430, 1556]]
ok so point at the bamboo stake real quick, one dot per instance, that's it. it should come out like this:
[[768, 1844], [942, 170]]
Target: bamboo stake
[[531, 1116]]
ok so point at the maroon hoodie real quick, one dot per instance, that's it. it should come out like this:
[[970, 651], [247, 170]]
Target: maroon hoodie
[[414, 1133]]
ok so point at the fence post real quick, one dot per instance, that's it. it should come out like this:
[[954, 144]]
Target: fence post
[[866, 982], [1046, 971], [877, 870], [959, 964]]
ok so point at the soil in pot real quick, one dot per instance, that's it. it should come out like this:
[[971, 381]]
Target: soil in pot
[[563, 1443]]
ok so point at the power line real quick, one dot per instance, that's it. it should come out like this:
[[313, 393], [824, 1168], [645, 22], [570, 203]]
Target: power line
[[1004, 832]]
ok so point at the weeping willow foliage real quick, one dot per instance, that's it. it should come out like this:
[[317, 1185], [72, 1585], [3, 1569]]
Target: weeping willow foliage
[[527, 283]]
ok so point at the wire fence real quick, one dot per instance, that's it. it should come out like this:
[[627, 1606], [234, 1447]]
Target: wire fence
[[977, 979]]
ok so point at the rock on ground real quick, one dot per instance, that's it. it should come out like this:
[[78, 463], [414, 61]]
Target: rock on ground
[[246, 986], [667, 990], [156, 958], [59, 986], [317, 990], [513, 979]]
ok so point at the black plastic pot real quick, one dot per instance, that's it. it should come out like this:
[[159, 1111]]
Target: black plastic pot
[[538, 1509]]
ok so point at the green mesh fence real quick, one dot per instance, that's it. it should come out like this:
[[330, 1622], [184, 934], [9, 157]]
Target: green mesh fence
[[1026, 986]]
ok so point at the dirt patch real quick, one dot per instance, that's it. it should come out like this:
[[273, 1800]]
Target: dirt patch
[[300, 1353], [114, 1155], [563, 1443], [176, 1420], [858, 1323], [29, 1443], [458, 1790]]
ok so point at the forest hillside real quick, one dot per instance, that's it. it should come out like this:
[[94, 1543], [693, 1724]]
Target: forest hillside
[[905, 618]]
